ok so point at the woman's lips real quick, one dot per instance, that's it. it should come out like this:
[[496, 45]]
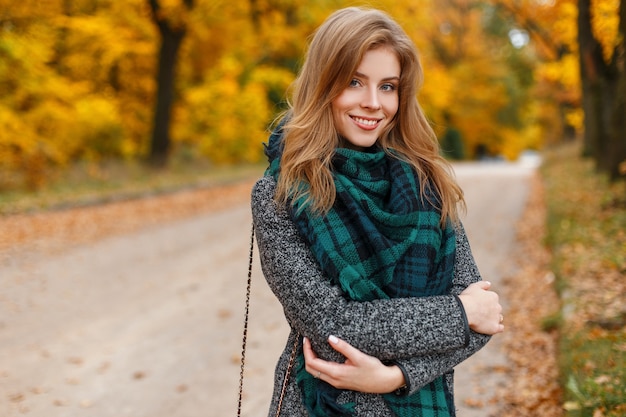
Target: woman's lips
[[366, 123]]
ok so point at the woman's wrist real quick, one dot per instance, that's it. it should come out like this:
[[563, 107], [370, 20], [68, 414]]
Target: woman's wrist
[[466, 325], [465, 301], [397, 382]]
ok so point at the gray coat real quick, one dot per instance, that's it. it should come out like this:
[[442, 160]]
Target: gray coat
[[426, 337]]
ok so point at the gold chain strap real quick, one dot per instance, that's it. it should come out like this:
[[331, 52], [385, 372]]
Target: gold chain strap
[[245, 322], [287, 373], [245, 336]]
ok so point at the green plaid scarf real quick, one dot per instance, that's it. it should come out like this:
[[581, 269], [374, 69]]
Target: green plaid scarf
[[380, 240]]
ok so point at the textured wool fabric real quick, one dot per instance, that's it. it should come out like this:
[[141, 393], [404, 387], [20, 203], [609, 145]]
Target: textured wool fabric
[[315, 308], [381, 239]]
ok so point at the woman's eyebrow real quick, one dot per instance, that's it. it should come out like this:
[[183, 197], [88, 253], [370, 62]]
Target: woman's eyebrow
[[392, 78]]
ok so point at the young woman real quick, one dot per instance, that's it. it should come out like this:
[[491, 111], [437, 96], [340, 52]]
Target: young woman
[[359, 236]]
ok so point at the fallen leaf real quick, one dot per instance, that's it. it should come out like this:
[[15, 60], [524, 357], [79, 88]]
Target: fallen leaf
[[16, 397], [224, 313], [602, 379], [598, 413], [474, 403], [74, 360], [86, 404], [571, 406]]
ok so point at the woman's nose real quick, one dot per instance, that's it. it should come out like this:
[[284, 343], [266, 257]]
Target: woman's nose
[[371, 99]]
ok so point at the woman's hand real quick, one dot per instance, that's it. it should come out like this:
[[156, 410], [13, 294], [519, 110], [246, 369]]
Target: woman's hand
[[360, 372], [483, 310]]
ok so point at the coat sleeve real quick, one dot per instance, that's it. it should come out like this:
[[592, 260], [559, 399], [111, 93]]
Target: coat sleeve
[[387, 329], [420, 370]]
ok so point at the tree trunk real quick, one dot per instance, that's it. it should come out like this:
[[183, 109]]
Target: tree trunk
[[160, 142], [617, 149], [171, 39], [591, 63], [603, 95]]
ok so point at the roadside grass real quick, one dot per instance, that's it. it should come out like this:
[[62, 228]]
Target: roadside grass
[[93, 183], [586, 233]]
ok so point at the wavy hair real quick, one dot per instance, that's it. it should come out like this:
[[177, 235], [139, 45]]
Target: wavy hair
[[310, 136]]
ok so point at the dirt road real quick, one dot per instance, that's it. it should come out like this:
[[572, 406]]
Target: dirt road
[[148, 324]]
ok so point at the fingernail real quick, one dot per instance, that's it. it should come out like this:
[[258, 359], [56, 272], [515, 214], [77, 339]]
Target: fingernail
[[333, 339], [305, 340]]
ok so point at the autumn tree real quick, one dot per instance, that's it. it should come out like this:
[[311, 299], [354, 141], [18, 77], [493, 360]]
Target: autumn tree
[[591, 32], [551, 30], [603, 76], [172, 25], [475, 80]]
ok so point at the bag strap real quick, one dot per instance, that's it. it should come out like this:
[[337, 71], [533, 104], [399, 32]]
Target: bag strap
[[245, 336], [292, 359], [245, 322]]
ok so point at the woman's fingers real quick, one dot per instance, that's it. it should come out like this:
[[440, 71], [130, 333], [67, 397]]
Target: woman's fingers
[[483, 285], [360, 372], [351, 353], [317, 367], [482, 307]]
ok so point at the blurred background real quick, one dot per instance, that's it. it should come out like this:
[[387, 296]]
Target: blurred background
[[170, 81]]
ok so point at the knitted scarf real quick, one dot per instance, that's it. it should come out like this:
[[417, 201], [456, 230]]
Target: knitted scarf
[[379, 240]]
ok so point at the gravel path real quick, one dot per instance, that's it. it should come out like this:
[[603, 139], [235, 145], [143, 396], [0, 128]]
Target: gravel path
[[496, 195], [148, 323]]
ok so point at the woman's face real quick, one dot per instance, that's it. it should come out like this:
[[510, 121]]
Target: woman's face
[[363, 110]]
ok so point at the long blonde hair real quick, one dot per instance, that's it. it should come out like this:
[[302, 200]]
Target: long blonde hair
[[310, 137]]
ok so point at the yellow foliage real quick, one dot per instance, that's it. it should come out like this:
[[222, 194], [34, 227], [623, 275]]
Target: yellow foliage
[[564, 72], [605, 25], [276, 82], [78, 81], [515, 141], [438, 92], [575, 118], [48, 120], [16, 138], [225, 120], [562, 23], [97, 131], [11, 10], [213, 28], [174, 12]]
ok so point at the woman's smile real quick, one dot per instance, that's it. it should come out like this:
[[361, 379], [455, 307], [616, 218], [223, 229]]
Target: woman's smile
[[366, 123], [370, 102]]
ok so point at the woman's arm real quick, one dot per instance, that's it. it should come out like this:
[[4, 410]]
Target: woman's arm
[[414, 372], [365, 373], [386, 329]]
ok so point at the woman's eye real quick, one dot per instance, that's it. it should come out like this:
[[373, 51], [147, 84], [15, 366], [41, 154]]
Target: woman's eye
[[354, 83], [388, 87]]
